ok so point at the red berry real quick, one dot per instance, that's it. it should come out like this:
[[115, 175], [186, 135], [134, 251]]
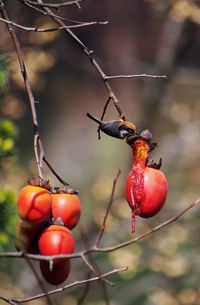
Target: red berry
[[154, 192], [34, 203], [67, 207], [59, 272]]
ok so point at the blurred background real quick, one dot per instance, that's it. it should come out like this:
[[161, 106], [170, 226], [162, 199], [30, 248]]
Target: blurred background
[[153, 37]]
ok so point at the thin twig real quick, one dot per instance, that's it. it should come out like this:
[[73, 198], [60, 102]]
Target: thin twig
[[54, 172], [87, 246], [49, 302], [24, 2], [103, 226], [155, 229], [103, 114], [95, 249], [89, 53], [42, 30], [54, 291], [82, 298], [54, 5], [38, 145], [86, 261], [135, 76], [27, 84]]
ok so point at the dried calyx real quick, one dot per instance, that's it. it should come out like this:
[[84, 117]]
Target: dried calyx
[[38, 181]]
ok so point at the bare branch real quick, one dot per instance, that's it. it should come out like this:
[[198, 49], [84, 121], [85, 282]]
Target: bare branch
[[103, 114], [94, 271], [108, 209], [45, 13], [87, 246], [54, 172], [135, 76], [82, 298], [42, 30], [49, 302], [89, 53], [38, 145], [54, 291], [95, 249], [54, 5], [26, 82], [155, 229]]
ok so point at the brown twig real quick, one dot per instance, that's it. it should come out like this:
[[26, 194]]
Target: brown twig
[[95, 249], [102, 116], [82, 298], [108, 209], [54, 291], [87, 246], [49, 302], [86, 261], [27, 85], [38, 145], [54, 172], [89, 53], [155, 229]]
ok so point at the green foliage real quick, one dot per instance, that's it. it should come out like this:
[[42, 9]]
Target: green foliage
[[8, 218], [4, 71], [8, 134]]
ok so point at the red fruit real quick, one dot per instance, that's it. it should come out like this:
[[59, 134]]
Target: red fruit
[[59, 272], [154, 192], [67, 207], [34, 203], [55, 240]]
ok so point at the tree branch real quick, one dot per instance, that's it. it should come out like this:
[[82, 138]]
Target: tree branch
[[54, 5], [95, 249], [54, 291], [49, 302], [135, 76], [42, 30], [27, 85], [103, 284], [108, 209], [89, 53]]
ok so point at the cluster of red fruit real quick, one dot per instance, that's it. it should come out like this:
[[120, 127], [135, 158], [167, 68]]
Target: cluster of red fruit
[[45, 228], [146, 186]]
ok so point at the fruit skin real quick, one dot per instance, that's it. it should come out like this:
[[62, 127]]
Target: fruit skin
[[55, 240], [154, 192], [67, 207], [34, 203], [59, 272]]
